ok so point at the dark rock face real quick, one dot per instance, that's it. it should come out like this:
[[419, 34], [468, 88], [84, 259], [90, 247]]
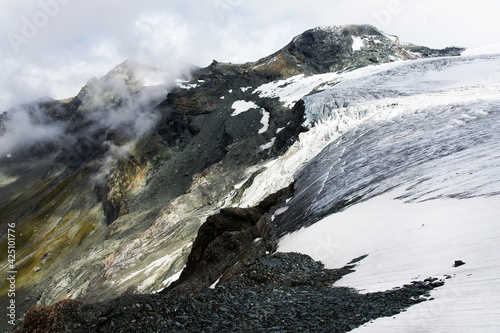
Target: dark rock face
[[226, 238], [430, 53], [289, 134], [114, 192], [330, 49], [286, 292], [3, 119], [198, 130]]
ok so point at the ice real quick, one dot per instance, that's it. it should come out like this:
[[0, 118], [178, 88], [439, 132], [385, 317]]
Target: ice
[[380, 92], [413, 148], [464, 76]]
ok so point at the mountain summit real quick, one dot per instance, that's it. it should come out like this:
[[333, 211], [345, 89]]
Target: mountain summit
[[341, 48], [334, 48]]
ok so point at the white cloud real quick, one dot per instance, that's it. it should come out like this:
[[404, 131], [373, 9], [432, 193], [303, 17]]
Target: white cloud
[[162, 37], [85, 39], [23, 131]]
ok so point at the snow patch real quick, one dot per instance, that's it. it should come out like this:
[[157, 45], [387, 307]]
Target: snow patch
[[185, 85], [214, 284], [268, 145], [357, 43], [264, 121], [281, 210], [242, 106]]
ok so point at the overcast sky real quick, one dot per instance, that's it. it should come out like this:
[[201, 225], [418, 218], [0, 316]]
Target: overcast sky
[[53, 47]]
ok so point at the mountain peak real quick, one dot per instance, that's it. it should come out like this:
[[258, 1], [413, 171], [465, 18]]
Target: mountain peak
[[124, 80], [346, 47], [340, 48], [354, 29]]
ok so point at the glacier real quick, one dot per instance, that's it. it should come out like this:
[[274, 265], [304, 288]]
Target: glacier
[[411, 178]]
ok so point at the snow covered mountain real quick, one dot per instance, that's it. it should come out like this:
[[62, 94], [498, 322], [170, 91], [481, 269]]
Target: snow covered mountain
[[413, 182], [344, 144]]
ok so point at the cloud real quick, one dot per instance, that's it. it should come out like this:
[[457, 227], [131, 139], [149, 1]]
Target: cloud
[[76, 40], [25, 127], [113, 154], [119, 107], [162, 37]]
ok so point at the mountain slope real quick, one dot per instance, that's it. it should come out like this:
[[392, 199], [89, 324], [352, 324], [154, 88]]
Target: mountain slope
[[117, 204]]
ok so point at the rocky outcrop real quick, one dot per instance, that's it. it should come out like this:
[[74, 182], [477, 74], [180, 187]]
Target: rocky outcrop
[[4, 117], [50, 319], [235, 236], [340, 48], [114, 193]]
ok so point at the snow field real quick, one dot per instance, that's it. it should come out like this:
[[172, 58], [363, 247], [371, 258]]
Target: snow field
[[416, 220], [413, 241]]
